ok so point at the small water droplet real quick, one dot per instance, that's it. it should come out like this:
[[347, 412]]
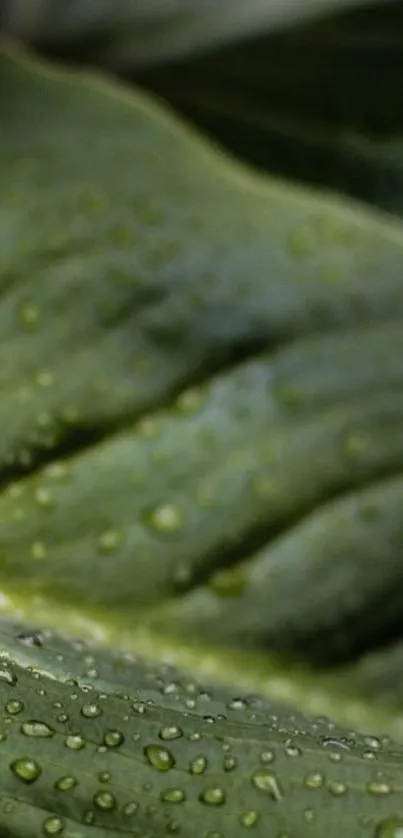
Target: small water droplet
[[249, 819], [198, 765], [314, 780], [377, 787], [229, 763], [38, 551], [109, 541], [105, 800], [75, 742], [172, 796], [130, 809], [44, 498], [113, 738], [267, 757], [337, 788], [166, 518], [170, 732], [14, 706], [65, 783], [91, 711], [213, 796], [230, 582], [53, 825]]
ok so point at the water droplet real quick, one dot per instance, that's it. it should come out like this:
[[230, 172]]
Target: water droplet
[[43, 498], [377, 787], [38, 551], [213, 796], [30, 314], [314, 780], [230, 582], [170, 732], [26, 769], [160, 758], [166, 518], [40, 729], [7, 676], [104, 800], [268, 782], [172, 796], [189, 400], [113, 738], [109, 541], [65, 783], [75, 742], [198, 765], [130, 808], [91, 711], [337, 788], [229, 763], [249, 819], [292, 750], [45, 378], [14, 706], [53, 826], [89, 817], [267, 757]]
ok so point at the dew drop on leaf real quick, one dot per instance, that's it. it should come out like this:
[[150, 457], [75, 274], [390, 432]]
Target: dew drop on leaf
[[26, 769], [160, 758]]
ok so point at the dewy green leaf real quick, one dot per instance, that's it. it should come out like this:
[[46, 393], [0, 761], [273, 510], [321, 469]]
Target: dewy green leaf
[[201, 412], [136, 749]]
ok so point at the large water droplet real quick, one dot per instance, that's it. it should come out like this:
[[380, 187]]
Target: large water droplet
[[33, 728], [26, 769], [160, 758]]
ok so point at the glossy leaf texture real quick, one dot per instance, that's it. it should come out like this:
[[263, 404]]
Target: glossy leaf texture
[[112, 745], [201, 447]]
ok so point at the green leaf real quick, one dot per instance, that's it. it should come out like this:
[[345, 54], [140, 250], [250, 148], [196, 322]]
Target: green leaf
[[127, 747], [201, 381]]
